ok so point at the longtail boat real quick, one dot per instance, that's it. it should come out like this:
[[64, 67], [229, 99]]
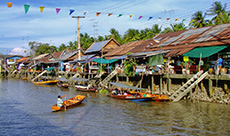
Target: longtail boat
[[49, 82], [72, 102], [62, 82], [85, 88], [157, 97], [131, 97]]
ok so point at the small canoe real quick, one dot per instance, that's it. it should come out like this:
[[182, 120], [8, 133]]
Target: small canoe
[[131, 97], [72, 102], [50, 82], [85, 88]]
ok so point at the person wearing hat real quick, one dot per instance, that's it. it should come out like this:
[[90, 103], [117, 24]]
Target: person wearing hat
[[59, 101]]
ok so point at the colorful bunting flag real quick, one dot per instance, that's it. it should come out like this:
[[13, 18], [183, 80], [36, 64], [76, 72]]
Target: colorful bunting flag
[[41, 9], [140, 17], [167, 19], [58, 10], [84, 13], [71, 11], [98, 13], [130, 16], [119, 15], [183, 20], [110, 14], [176, 19], [9, 4], [206, 21], [26, 8], [192, 21], [198, 21], [150, 18], [159, 18]]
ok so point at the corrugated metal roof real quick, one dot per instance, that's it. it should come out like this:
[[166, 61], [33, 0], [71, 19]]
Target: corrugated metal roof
[[86, 57], [67, 55], [97, 46], [40, 56]]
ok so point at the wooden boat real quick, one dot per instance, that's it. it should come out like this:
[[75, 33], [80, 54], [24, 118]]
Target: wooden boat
[[72, 102], [85, 88], [131, 97], [62, 82], [24, 78], [157, 97], [49, 82]]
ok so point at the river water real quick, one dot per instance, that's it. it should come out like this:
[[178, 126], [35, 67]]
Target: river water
[[25, 109]]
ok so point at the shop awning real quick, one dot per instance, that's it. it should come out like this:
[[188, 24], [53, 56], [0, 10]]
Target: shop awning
[[204, 51], [104, 61]]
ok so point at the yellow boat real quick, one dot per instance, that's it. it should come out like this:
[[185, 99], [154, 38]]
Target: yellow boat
[[49, 82]]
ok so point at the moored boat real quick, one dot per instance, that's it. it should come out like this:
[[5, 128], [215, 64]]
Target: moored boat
[[63, 82], [49, 82], [72, 102], [131, 97], [157, 97], [85, 88]]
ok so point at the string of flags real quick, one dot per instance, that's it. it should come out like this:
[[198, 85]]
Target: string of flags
[[71, 11]]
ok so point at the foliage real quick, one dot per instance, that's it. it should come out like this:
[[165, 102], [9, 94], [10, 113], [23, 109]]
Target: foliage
[[198, 20], [128, 67], [103, 91], [41, 48]]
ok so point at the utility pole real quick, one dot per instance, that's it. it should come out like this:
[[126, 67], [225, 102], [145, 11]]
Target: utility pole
[[78, 36]]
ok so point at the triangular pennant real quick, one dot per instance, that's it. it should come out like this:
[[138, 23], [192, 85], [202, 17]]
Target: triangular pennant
[[110, 14], [167, 19], [98, 13], [71, 11], [140, 17], [119, 15], [84, 13], [130, 16], [9, 4], [198, 21], [176, 19], [58, 10], [159, 18], [190, 21], [150, 18], [206, 21], [26, 8], [183, 20], [41, 9]]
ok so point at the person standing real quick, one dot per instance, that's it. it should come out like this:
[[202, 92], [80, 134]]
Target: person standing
[[219, 64]]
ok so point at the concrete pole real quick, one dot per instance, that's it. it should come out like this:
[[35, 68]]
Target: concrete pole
[[78, 37]]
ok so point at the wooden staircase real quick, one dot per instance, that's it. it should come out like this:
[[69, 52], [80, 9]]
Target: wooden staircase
[[109, 77], [93, 81], [39, 75], [183, 90]]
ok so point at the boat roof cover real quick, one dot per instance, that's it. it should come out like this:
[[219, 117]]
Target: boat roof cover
[[125, 86], [79, 79], [62, 79]]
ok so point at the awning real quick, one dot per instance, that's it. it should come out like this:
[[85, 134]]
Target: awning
[[62, 79], [204, 51], [79, 79], [147, 54], [104, 61], [126, 86], [156, 60]]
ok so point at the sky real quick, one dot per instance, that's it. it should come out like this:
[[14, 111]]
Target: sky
[[18, 28]]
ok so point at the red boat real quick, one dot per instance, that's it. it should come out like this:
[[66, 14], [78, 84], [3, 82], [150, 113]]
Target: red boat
[[131, 97]]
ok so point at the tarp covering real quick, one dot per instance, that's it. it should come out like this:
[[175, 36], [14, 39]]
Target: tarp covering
[[156, 60], [104, 61], [125, 86], [62, 79], [79, 79], [205, 51]]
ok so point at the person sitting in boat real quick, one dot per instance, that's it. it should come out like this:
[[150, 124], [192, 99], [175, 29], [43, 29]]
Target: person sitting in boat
[[59, 101], [114, 92]]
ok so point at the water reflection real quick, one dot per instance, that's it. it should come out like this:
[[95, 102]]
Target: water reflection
[[26, 110]]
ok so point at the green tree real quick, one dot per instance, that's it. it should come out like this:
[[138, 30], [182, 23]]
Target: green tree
[[62, 47], [198, 20], [221, 16]]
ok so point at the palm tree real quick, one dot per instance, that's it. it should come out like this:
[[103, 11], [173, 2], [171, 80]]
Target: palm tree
[[220, 13], [131, 35], [178, 27], [198, 20]]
